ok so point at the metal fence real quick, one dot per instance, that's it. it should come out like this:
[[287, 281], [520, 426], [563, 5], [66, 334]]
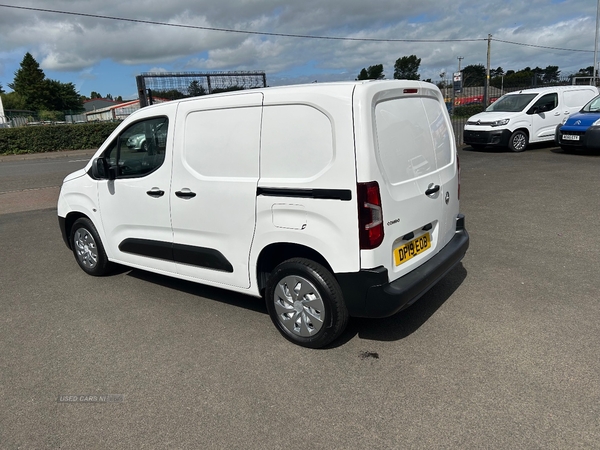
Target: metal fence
[[176, 85], [19, 118]]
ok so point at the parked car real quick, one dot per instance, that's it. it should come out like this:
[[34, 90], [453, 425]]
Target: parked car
[[531, 115], [142, 141], [581, 130], [330, 200]]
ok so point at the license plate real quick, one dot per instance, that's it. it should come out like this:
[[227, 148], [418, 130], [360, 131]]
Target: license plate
[[412, 249], [570, 137]]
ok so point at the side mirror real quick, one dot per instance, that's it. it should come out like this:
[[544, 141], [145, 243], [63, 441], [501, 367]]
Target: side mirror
[[99, 169]]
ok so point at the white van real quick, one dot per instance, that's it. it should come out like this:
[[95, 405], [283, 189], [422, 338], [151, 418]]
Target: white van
[[330, 200], [530, 115]]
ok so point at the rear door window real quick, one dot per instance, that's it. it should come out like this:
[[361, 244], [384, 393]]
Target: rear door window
[[413, 138]]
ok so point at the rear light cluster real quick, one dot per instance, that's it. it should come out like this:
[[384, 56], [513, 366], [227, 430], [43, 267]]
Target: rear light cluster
[[370, 215]]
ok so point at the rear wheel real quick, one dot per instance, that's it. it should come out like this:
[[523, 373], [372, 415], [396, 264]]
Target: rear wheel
[[518, 141], [305, 303], [88, 249]]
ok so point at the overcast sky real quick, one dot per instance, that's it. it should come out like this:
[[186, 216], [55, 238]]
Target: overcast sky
[[105, 55]]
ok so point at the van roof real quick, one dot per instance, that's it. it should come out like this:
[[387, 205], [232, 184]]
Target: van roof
[[552, 89], [315, 87]]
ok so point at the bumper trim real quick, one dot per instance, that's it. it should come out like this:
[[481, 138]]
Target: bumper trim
[[369, 294]]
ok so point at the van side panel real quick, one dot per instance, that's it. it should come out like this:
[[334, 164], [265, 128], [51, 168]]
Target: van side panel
[[307, 186], [213, 191]]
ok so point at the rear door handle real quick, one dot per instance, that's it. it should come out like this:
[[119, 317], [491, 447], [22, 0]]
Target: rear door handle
[[155, 193], [185, 194], [432, 189]]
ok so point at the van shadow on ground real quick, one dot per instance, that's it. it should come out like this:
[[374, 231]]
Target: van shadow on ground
[[393, 328]]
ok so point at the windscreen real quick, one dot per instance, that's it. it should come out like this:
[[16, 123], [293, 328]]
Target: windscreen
[[592, 106], [511, 103]]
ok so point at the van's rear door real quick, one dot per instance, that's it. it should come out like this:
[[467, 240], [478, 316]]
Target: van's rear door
[[414, 162]]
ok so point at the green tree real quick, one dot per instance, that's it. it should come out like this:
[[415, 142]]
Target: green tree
[[29, 83], [407, 68], [372, 73], [473, 75], [551, 74], [12, 100], [94, 95], [1, 89], [61, 96], [195, 89]]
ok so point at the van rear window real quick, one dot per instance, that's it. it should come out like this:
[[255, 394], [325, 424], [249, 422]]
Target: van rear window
[[413, 137]]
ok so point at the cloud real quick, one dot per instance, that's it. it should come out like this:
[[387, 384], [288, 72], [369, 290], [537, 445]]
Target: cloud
[[71, 43]]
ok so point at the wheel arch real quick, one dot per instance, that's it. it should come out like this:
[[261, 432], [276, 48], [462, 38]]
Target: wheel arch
[[71, 218], [276, 253]]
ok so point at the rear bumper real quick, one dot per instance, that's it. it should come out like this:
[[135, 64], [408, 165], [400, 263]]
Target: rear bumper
[[369, 294], [495, 138]]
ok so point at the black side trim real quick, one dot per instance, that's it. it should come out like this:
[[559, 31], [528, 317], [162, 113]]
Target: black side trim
[[208, 258], [323, 194], [184, 254], [146, 247]]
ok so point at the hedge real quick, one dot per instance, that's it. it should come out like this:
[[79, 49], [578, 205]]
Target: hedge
[[50, 138], [468, 110]]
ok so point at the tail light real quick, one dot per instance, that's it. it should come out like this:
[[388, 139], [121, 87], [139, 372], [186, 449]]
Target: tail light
[[370, 215]]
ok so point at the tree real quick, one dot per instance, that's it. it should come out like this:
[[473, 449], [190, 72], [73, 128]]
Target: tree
[[29, 83], [372, 73], [407, 68], [12, 100], [195, 89], [35, 92], [61, 96], [551, 74], [496, 72], [1, 89], [94, 95], [473, 75]]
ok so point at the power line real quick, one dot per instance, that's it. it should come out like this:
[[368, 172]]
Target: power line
[[228, 30], [266, 33], [542, 46]]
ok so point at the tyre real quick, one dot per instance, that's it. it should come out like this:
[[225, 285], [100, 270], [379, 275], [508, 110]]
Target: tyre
[[88, 249], [305, 303], [518, 141]]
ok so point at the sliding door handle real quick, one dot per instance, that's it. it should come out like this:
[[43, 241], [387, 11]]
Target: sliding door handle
[[185, 194]]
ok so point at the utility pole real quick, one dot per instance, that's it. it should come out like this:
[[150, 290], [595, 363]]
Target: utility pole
[[595, 71], [487, 72]]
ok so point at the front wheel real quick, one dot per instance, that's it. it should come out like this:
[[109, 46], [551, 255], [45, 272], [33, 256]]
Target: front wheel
[[88, 249], [518, 141], [305, 303]]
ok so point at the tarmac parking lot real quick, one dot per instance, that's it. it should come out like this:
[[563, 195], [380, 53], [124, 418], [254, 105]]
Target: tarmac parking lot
[[502, 353]]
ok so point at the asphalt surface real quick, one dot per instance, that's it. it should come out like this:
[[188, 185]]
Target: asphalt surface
[[501, 354]]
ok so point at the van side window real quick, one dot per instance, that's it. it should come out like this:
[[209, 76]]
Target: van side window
[[140, 148], [546, 103]]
